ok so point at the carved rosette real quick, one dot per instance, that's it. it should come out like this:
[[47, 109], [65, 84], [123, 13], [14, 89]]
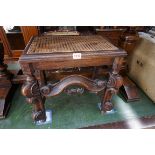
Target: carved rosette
[[45, 90], [30, 89]]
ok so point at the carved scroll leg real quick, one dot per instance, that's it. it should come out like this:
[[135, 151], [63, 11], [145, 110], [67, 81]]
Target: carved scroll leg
[[30, 89], [39, 113], [114, 83], [106, 104]]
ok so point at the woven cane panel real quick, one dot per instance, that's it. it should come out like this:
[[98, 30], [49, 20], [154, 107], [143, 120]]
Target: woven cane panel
[[50, 44]]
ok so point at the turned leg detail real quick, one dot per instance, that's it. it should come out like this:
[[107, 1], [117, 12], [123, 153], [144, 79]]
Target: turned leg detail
[[30, 89], [114, 83]]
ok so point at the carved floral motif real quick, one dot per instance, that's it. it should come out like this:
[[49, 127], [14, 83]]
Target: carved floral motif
[[91, 85]]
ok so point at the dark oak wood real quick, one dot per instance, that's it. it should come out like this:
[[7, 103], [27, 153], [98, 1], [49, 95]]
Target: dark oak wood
[[16, 40], [128, 41], [91, 85], [11, 54], [3, 38], [125, 38], [129, 90], [114, 83], [5, 85], [26, 32], [112, 34], [47, 53]]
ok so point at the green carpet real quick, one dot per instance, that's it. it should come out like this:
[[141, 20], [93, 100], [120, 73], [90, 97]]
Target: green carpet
[[75, 111], [13, 66]]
